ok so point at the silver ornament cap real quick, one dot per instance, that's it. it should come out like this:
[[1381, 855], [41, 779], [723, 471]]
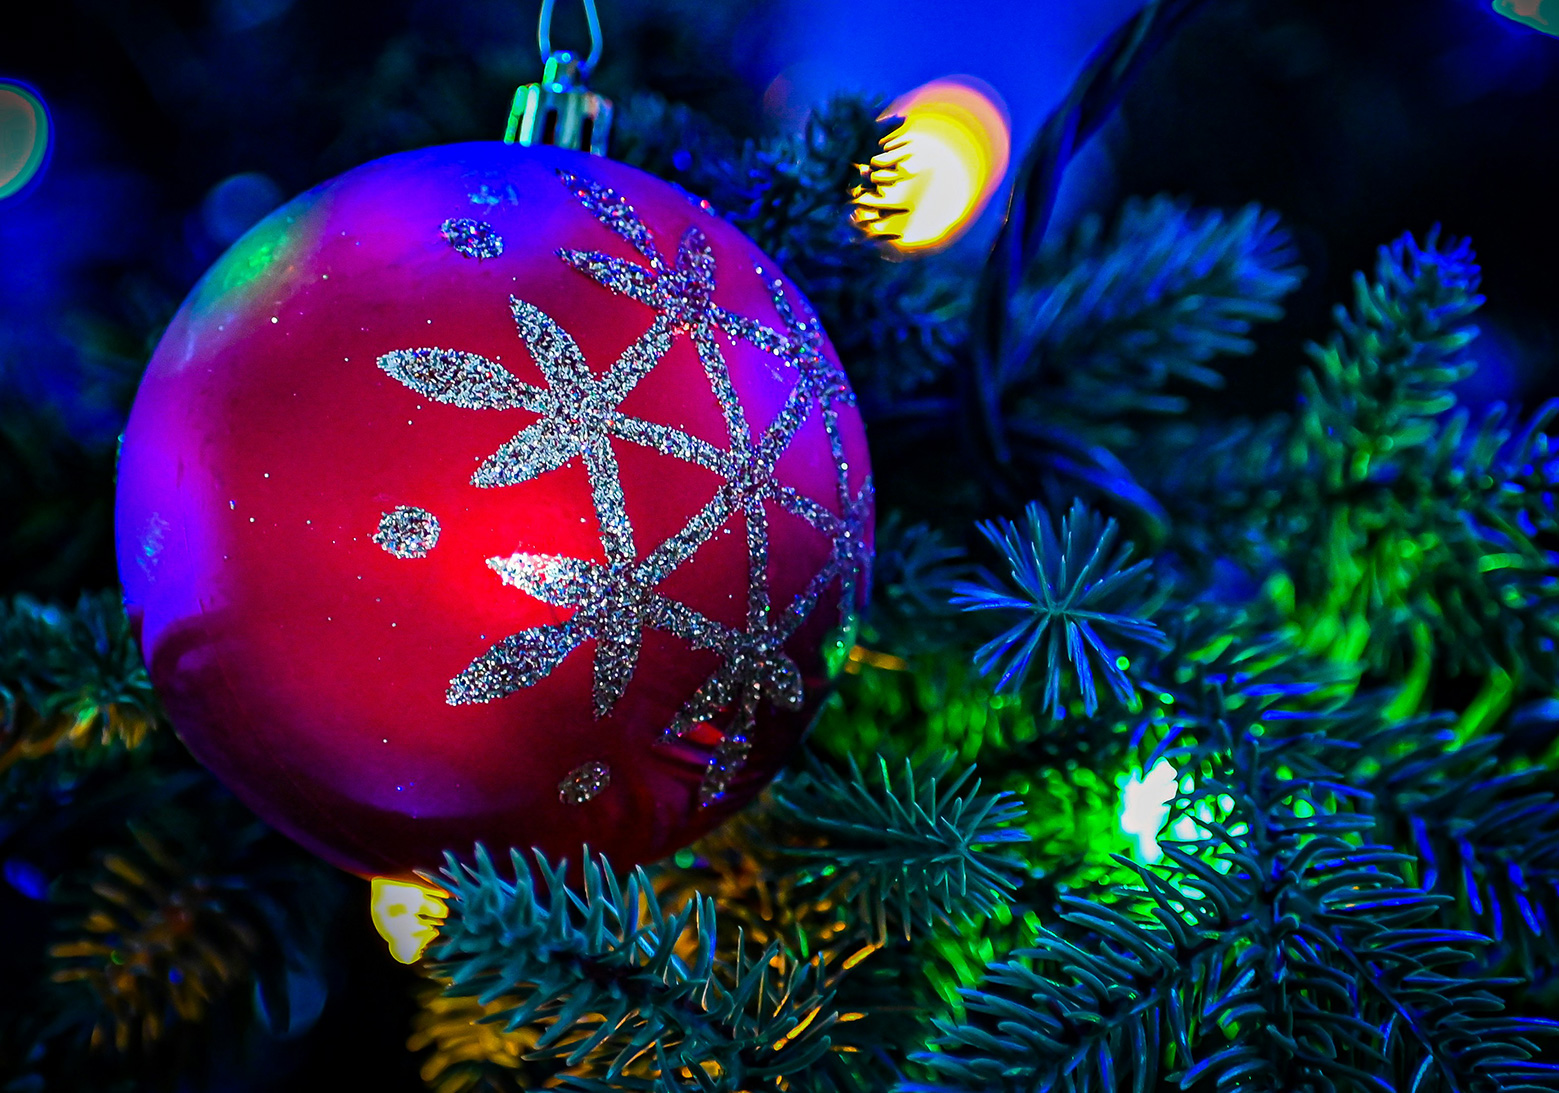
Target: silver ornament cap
[[560, 110]]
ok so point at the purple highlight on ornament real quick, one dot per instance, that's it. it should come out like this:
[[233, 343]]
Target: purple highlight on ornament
[[472, 238]]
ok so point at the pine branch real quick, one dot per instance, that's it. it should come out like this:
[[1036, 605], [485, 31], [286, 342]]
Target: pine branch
[[1487, 839], [1105, 324], [1092, 98], [467, 1052], [911, 843], [601, 972], [1221, 484], [1277, 952], [913, 571], [200, 909], [82, 664], [1076, 595], [1374, 390], [1403, 519], [1109, 327], [1010, 455], [1487, 584], [74, 697]]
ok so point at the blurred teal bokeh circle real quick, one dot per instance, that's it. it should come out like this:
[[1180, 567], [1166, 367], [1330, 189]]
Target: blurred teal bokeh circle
[[25, 136]]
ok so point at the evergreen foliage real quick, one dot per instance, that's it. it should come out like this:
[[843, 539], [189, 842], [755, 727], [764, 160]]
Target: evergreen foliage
[[1104, 323], [1334, 652], [607, 973], [1075, 592], [905, 845]]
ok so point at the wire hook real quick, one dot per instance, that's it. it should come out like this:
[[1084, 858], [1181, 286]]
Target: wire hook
[[544, 34]]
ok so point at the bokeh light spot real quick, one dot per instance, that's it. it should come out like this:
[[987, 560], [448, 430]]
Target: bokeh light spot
[[1540, 15], [25, 135], [238, 203], [938, 170]]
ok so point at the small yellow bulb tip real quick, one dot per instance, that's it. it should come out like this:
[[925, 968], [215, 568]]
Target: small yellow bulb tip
[[406, 915]]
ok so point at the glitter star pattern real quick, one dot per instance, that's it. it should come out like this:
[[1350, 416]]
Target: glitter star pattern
[[580, 414]]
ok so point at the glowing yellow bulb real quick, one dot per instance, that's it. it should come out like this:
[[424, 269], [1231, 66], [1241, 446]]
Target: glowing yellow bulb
[[940, 167], [406, 915]]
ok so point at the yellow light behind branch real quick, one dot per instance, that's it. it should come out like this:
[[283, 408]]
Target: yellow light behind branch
[[406, 915], [938, 170]]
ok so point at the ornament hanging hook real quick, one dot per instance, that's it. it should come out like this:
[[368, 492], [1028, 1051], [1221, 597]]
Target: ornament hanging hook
[[544, 34]]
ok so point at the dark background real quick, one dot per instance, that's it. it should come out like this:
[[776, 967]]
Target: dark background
[[179, 124]]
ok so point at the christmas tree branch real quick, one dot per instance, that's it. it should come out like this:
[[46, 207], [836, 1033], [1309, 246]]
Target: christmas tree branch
[[1103, 323], [1076, 598], [620, 982], [917, 843]]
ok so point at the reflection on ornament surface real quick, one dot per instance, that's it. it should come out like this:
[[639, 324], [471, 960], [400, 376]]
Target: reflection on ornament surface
[[25, 136], [938, 170], [406, 915]]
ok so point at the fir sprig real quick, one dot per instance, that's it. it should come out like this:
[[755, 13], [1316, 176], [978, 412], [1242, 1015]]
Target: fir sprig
[[1402, 518], [1078, 601], [1487, 839], [1378, 384], [618, 980], [80, 666], [917, 843], [192, 913], [913, 571], [1280, 951], [1107, 322], [1112, 327]]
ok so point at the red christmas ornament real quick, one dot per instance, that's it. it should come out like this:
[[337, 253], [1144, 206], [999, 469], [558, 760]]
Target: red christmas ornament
[[492, 492]]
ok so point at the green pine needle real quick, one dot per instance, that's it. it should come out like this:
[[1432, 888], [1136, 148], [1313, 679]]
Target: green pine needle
[[621, 983], [1077, 600], [918, 844]]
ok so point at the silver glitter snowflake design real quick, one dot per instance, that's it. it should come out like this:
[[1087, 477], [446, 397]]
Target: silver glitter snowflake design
[[472, 238], [584, 782], [580, 416], [407, 532]]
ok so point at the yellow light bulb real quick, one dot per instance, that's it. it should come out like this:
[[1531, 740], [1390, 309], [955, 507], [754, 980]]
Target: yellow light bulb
[[938, 170], [406, 915]]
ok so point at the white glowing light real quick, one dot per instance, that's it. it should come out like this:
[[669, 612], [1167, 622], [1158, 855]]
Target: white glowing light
[[1145, 804]]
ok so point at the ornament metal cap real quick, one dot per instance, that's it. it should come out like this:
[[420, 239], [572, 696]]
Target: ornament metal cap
[[560, 110]]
